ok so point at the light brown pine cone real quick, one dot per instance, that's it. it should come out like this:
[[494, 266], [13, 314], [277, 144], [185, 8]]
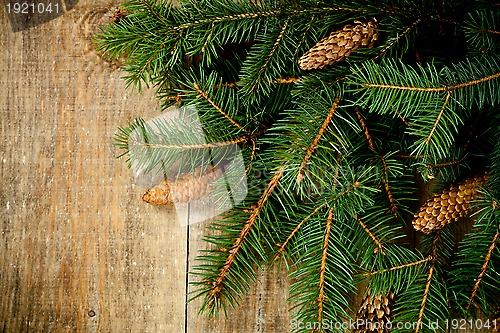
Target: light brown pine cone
[[374, 313], [449, 205], [187, 188], [339, 45]]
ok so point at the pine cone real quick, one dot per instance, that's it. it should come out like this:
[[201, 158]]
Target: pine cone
[[339, 45], [374, 313], [188, 187], [449, 205]]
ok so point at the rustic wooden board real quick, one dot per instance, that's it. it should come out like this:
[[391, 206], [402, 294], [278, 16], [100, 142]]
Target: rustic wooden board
[[80, 252]]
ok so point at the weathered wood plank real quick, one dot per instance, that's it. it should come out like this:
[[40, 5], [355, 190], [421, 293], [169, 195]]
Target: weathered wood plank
[[79, 251]]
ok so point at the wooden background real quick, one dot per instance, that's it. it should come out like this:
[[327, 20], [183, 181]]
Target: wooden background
[[80, 251]]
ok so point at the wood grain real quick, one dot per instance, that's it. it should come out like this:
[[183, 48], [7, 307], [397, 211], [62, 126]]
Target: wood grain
[[80, 252]]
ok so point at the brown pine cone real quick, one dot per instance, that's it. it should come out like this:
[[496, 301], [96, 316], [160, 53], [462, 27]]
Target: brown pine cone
[[339, 45], [374, 313], [449, 205], [188, 187]]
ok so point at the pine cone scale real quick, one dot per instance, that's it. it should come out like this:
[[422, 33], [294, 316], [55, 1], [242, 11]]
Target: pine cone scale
[[374, 313], [339, 45], [448, 206], [186, 188]]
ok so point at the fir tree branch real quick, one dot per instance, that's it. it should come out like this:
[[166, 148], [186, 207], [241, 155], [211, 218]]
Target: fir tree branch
[[188, 146], [430, 166], [408, 157], [204, 94], [433, 257], [434, 89], [416, 263], [227, 18], [321, 296], [405, 122], [217, 285], [252, 156], [208, 39], [312, 147], [142, 71], [286, 80], [445, 164], [254, 149], [302, 40], [385, 171], [438, 117], [176, 97], [379, 245], [484, 268], [281, 247], [263, 14], [152, 10], [490, 31], [398, 38], [269, 56], [280, 80]]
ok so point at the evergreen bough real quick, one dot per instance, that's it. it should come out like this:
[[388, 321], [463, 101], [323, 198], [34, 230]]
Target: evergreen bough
[[332, 155]]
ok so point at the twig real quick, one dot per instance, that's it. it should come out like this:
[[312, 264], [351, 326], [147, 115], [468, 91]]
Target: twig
[[484, 268], [429, 282], [490, 31], [429, 258], [379, 245], [281, 247], [217, 284], [270, 55], [190, 146], [438, 119], [218, 108], [435, 89], [321, 297], [385, 171], [312, 147], [445, 164], [398, 37]]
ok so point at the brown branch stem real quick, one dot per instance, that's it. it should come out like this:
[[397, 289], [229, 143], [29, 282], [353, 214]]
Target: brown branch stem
[[435, 89], [490, 31], [312, 147], [484, 268], [438, 119], [271, 54], [233, 252], [429, 258], [321, 297], [218, 108], [429, 282], [281, 247], [379, 245], [385, 171], [190, 146]]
